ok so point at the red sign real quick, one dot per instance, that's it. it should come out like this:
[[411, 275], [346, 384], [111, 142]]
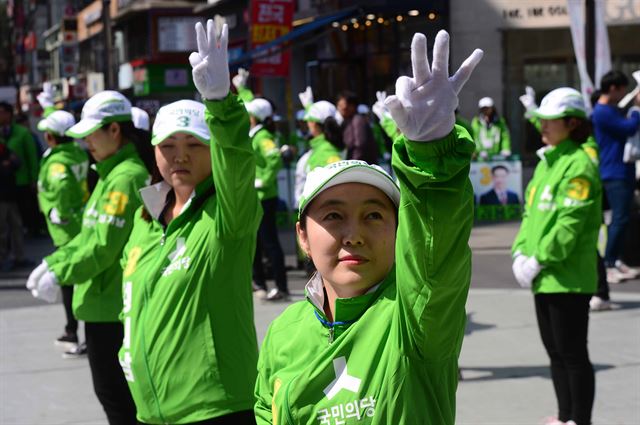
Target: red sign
[[270, 19]]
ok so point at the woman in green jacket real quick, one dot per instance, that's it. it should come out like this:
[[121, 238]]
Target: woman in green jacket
[[62, 194], [378, 338], [490, 131], [90, 261], [555, 249], [189, 352]]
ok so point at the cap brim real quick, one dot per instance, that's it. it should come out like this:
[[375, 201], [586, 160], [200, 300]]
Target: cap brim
[[157, 139], [357, 174], [43, 125], [83, 128], [549, 114]]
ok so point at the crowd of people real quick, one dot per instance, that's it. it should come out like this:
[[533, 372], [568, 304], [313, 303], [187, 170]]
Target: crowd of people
[[163, 258]]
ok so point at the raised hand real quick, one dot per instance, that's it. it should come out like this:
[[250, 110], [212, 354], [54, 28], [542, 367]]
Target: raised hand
[[210, 65], [379, 108], [424, 106], [528, 99], [306, 97], [45, 98], [240, 79]]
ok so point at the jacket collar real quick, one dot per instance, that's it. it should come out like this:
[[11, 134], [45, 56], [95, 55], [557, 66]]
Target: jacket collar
[[62, 147], [347, 310], [255, 130], [154, 197], [550, 154], [104, 167], [317, 141]]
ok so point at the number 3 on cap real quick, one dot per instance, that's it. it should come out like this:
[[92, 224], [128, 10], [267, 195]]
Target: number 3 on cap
[[117, 203]]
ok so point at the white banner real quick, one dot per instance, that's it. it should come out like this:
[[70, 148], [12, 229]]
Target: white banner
[[603, 51], [577, 21]]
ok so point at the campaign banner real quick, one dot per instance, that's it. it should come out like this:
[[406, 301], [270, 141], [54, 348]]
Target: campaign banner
[[497, 189], [270, 19]]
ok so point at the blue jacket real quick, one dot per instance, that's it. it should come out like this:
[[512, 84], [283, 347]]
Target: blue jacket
[[611, 130]]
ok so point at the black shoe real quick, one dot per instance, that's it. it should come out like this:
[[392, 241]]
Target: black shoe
[[67, 340], [75, 353]]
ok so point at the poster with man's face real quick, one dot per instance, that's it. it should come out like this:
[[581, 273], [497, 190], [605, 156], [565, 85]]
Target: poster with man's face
[[497, 187]]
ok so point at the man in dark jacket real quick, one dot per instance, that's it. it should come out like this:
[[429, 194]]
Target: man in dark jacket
[[357, 134]]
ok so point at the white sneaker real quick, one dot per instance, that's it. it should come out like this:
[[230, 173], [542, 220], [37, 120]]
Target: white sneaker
[[260, 294], [570, 423], [552, 420], [614, 275], [626, 271], [598, 304]]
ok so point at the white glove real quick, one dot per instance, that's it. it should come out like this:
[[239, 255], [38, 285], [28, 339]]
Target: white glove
[[518, 261], [258, 184], [209, 63], [306, 97], [54, 216], [423, 106], [528, 100], [525, 269], [47, 288], [45, 98], [36, 274], [379, 108], [240, 79]]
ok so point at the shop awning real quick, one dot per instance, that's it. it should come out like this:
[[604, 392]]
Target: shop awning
[[294, 34]]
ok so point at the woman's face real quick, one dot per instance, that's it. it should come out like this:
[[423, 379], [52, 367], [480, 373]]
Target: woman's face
[[554, 131], [350, 236], [314, 128], [104, 143], [183, 161]]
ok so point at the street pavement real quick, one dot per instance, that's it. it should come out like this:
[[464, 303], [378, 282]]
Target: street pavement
[[504, 367]]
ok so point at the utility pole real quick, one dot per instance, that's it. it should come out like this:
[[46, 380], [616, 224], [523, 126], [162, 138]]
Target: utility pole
[[108, 45], [590, 39]]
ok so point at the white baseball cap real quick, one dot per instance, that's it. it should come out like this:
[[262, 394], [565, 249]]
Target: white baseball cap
[[183, 116], [350, 171], [320, 111], [57, 123], [105, 107], [486, 102], [560, 103], [259, 108], [140, 118]]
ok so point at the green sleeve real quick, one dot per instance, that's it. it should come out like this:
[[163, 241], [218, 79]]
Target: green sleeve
[[390, 128], [520, 242], [48, 111], [433, 258], [577, 193], [245, 94], [86, 256], [505, 136], [233, 167], [263, 390]]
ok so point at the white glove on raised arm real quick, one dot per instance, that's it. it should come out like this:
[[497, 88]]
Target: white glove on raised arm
[[240, 79], [306, 97], [210, 65], [379, 108], [45, 98], [528, 100], [424, 106]]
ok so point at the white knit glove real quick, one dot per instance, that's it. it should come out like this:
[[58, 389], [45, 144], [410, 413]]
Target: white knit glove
[[209, 63], [423, 106], [525, 269], [45, 98], [306, 97], [240, 79], [36, 274], [528, 100], [47, 288], [379, 108]]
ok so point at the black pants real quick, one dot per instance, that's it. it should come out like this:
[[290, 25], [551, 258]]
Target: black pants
[[268, 240], [103, 342], [67, 300], [603, 285], [563, 320], [246, 417]]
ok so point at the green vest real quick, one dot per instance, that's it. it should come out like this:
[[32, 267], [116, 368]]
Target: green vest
[[62, 184], [492, 138], [396, 348], [90, 261]]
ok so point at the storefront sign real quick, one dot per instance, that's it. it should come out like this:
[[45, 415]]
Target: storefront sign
[[270, 19], [149, 79], [176, 34]]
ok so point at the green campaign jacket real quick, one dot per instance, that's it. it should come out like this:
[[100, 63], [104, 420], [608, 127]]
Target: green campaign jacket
[[322, 153], [268, 163], [22, 144], [62, 184], [561, 220], [90, 261], [491, 139], [190, 348], [391, 356]]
